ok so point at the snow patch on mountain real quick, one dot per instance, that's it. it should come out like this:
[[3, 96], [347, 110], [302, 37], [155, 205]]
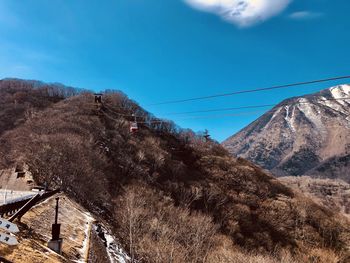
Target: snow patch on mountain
[[273, 116], [115, 252], [334, 105], [340, 91], [290, 119], [310, 113]]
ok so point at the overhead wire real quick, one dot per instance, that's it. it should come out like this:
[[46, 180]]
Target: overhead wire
[[222, 115], [251, 90], [248, 107], [133, 116], [160, 121], [221, 109]]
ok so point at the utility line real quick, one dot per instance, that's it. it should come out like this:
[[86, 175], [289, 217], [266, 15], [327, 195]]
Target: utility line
[[248, 107], [251, 90], [162, 121], [222, 109], [133, 116], [222, 115]]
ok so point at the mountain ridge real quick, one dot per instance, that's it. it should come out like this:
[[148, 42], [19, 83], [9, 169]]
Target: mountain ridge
[[314, 127]]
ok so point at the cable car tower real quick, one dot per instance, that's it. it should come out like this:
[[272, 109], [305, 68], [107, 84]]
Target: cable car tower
[[98, 98]]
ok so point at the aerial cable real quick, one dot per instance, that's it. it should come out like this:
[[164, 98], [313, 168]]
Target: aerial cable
[[222, 115], [221, 109], [133, 116], [251, 90], [249, 107]]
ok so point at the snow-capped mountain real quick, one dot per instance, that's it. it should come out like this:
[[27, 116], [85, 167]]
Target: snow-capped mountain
[[301, 135]]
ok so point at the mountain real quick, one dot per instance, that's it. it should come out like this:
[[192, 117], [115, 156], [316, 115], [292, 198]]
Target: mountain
[[307, 135], [20, 99], [332, 193], [166, 193]]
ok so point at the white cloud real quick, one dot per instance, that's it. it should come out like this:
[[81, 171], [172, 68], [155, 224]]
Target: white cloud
[[243, 13], [302, 15]]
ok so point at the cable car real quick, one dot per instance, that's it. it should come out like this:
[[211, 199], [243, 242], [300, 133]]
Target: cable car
[[133, 125]]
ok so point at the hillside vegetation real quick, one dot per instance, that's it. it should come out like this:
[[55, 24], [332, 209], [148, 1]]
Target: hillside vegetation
[[331, 193], [170, 195]]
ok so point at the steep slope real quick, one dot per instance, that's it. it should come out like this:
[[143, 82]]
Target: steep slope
[[332, 193], [168, 193], [21, 99], [302, 135]]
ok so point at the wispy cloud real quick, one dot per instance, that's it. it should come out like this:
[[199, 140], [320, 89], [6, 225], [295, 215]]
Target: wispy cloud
[[303, 15], [243, 13]]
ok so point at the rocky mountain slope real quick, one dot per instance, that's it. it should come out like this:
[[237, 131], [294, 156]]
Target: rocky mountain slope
[[308, 135], [332, 193], [167, 193]]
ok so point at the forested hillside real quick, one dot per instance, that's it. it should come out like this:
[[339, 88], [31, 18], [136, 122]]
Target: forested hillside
[[169, 194]]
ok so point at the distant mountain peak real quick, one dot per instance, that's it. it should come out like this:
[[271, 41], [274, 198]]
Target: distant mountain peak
[[301, 135], [340, 91]]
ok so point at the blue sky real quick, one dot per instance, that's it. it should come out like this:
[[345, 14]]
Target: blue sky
[[158, 50]]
